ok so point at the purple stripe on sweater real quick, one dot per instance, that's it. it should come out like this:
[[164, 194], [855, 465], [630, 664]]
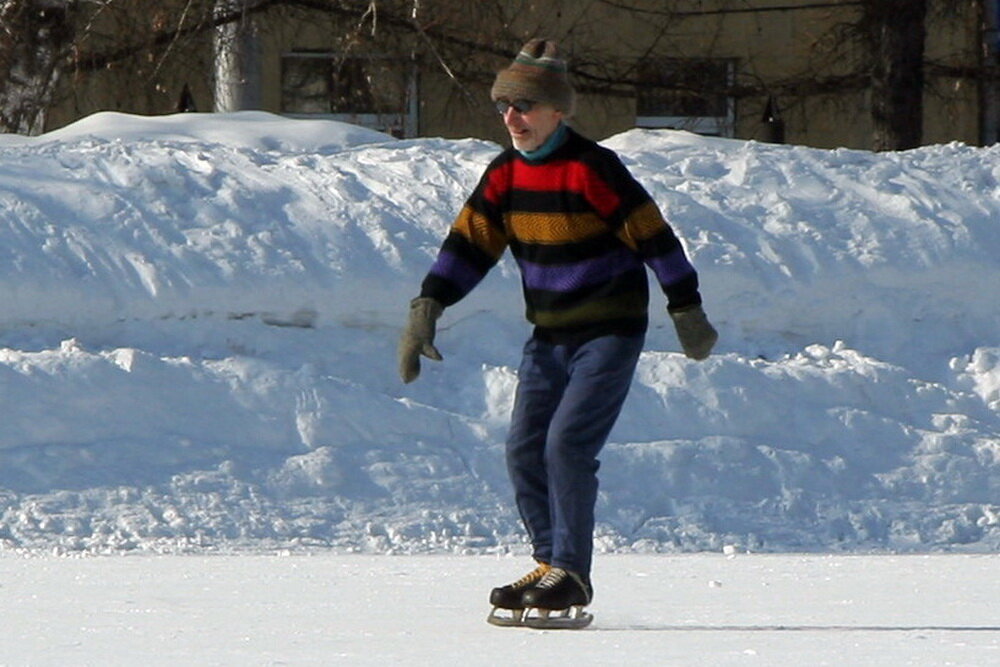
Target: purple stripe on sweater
[[455, 269], [568, 277], [671, 267]]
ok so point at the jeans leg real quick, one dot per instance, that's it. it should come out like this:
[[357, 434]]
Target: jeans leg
[[541, 380], [600, 374]]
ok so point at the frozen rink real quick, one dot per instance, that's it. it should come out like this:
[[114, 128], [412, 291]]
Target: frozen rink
[[706, 609]]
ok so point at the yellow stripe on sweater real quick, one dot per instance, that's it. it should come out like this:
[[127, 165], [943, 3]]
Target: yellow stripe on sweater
[[642, 224], [476, 228], [554, 228]]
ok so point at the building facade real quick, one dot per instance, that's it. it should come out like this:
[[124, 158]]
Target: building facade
[[771, 70]]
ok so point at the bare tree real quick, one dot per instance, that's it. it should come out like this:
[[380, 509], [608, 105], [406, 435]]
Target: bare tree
[[894, 32], [46, 46], [237, 58], [49, 45], [36, 37]]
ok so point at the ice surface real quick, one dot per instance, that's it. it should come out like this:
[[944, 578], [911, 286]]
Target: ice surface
[[780, 611]]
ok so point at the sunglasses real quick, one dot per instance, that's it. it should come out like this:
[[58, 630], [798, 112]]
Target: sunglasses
[[520, 106]]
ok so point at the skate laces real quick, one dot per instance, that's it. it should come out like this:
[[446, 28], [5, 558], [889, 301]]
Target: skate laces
[[553, 577], [539, 573]]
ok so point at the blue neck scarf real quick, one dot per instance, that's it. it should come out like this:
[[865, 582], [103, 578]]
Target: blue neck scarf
[[555, 140]]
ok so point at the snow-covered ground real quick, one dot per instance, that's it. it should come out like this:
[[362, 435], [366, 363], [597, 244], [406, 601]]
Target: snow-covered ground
[[663, 610], [199, 314]]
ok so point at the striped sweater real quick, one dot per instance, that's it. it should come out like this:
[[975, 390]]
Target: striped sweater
[[582, 230]]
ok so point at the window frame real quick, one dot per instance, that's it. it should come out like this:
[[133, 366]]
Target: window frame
[[720, 126], [402, 123]]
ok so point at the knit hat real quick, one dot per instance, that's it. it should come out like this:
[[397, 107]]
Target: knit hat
[[537, 74]]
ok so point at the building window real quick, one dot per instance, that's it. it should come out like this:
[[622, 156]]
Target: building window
[[686, 94], [372, 91]]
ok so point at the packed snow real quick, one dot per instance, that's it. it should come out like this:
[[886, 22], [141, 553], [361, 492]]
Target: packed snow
[[199, 316]]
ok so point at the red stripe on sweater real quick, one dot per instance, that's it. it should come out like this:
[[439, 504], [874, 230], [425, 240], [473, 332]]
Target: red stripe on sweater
[[498, 183], [560, 175]]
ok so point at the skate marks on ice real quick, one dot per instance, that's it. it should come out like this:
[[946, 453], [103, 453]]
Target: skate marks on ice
[[578, 619], [797, 628]]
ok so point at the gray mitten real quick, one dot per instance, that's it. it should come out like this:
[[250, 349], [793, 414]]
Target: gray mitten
[[696, 334], [418, 337]]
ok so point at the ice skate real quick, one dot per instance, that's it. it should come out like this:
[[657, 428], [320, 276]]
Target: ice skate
[[508, 598], [558, 601]]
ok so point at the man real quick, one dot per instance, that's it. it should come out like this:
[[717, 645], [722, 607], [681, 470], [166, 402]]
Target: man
[[582, 230]]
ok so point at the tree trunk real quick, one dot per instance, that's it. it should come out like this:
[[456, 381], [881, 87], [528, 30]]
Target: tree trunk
[[35, 36], [895, 32], [989, 86], [237, 60]]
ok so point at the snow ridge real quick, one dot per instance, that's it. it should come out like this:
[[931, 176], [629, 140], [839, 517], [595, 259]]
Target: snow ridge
[[198, 317]]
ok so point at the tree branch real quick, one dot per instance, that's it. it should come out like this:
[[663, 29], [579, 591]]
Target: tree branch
[[739, 10], [87, 62]]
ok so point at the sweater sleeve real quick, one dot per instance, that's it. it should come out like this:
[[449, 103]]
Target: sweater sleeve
[[474, 244], [639, 224]]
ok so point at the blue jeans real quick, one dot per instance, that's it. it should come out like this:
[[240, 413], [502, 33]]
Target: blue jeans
[[568, 398]]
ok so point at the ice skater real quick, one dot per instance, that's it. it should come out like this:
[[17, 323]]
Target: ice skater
[[582, 231]]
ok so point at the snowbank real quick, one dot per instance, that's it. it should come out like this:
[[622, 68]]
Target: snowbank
[[198, 317]]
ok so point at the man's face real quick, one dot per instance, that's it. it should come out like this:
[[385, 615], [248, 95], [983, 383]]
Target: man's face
[[530, 128]]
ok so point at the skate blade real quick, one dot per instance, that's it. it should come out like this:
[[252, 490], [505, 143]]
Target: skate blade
[[573, 618], [514, 620]]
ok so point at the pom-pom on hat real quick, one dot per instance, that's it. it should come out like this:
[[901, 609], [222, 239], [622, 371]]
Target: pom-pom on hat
[[537, 74]]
